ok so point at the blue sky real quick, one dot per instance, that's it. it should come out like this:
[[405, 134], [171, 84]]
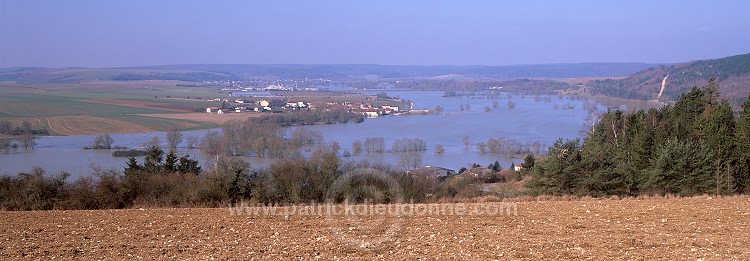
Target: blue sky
[[138, 32]]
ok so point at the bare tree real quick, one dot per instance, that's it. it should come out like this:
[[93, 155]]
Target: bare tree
[[482, 147], [592, 118], [102, 142], [406, 144], [374, 145], [536, 148], [174, 138], [409, 160], [304, 137], [6, 128], [439, 149], [511, 104], [357, 147], [5, 142], [27, 140], [258, 146], [211, 143], [192, 141], [154, 142]]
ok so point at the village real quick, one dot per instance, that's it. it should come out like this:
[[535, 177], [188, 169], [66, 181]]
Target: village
[[371, 107]]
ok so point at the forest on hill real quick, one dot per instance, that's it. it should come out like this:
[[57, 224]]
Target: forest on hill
[[695, 147], [731, 73]]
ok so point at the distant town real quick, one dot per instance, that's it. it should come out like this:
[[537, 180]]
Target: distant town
[[276, 98]]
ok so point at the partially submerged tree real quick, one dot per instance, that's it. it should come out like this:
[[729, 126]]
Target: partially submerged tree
[[174, 138], [102, 142]]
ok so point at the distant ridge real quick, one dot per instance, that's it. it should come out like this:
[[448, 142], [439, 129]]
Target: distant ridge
[[336, 72], [356, 71], [732, 74]]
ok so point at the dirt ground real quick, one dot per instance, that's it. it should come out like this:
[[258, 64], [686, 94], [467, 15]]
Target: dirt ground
[[143, 104], [82, 125], [207, 117], [702, 228]]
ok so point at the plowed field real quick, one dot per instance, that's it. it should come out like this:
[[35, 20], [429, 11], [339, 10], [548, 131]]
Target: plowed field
[[207, 117], [81, 125], [700, 228], [144, 105]]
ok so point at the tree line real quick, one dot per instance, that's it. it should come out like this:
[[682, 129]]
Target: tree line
[[168, 181], [696, 146], [530, 86], [265, 136], [22, 135]]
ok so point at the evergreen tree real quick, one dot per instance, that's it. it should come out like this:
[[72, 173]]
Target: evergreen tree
[[720, 138], [496, 166], [528, 162], [742, 149], [132, 166], [188, 165], [695, 147], [681, 167], [153, 162], [170, 162], [637, 152], [687, 110], [601, 172], [557, 175]]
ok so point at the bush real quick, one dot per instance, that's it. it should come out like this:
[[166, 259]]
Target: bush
[[129, 153], [31, 191]]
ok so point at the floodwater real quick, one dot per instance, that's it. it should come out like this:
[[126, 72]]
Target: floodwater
[[540, 119]]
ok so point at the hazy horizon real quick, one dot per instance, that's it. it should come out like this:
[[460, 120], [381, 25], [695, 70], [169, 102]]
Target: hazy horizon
[[97, 34], [332, 64]]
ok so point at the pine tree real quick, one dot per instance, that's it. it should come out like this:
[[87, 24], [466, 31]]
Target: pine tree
[[558, 174], [528, 162], [681, 167], [132, 166], [742, 149], [170, 162], [687, 110], [720, 138], [496, 166], [153, 160], [188, 165]]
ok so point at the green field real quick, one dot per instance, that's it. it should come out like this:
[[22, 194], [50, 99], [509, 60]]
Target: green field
[[117, 102]]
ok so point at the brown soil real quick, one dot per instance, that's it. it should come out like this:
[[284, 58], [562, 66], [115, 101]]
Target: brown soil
[[36, 123], [16, 87], [139, 83], [207, 117], [144, 104], [676, 229], [81, 125]]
